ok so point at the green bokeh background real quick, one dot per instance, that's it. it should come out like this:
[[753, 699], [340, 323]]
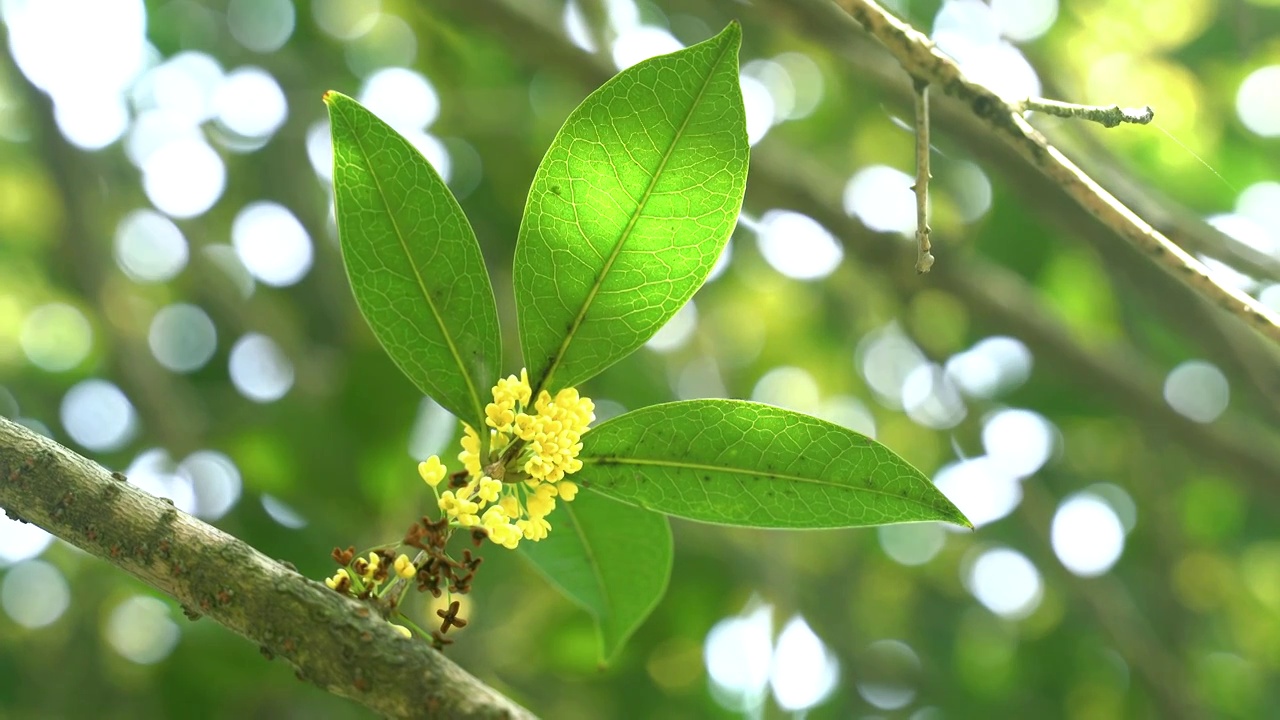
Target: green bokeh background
[[1186, 624]]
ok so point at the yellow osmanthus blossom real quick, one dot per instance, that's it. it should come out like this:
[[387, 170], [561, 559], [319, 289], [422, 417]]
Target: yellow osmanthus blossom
[[432, 471], [511, 501], [340, 580], [404, 567]]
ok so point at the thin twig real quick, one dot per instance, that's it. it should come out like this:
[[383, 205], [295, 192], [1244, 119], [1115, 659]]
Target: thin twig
[[924, 258], [918, 56], [1105, 115], [333, 641]]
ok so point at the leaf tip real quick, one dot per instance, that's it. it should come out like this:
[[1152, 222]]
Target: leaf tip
[[733, 32]]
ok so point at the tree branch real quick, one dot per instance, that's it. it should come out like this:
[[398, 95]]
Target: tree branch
[[924, 258], [918, 56], [1105, 115], [334, 642]]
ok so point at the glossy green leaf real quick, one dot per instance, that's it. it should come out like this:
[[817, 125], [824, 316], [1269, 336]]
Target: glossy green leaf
[[630, 209], [612, 559], [413, 262], [743, 463]]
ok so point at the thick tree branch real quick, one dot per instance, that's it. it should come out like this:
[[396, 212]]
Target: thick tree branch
[[918, 56], [332, 641]]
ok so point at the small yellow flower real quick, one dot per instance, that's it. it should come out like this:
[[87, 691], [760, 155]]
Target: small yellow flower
[[448, 503], [489, 489], [540, 505], [511, 504], [534, 529], [566, 490], [506, 535], [371, 568], [402, 630], [404, 567], [494, 517], [432, 471], [340, 578], [470, 455]]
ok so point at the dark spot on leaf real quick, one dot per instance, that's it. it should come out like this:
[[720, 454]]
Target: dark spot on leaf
[[555, 189]]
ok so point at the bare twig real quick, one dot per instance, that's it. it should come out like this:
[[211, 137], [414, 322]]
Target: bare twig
[[924, 258], [332, 641], [921, 59], [1105, 115]]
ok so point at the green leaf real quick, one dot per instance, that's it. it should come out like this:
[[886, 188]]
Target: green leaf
[[612, 559], [743, 463], [630, 209], [413, 262]]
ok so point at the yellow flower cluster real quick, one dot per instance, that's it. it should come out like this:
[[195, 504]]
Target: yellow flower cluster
[[370, 573], [515, 504]]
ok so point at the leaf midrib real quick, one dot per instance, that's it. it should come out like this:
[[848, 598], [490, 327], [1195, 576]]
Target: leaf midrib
[[426, 295], [626, 232], [601, 460], [602, 612]]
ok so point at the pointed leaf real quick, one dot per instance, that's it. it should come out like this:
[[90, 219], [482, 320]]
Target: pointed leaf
[[630, 209], [413, 262], [743, 463], [612, 559]]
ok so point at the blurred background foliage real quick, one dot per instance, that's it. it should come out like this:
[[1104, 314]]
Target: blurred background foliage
[[172, 304]]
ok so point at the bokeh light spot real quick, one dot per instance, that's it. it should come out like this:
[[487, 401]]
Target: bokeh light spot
[[261, 25], [1197, 390], [215, 482], [641, 42], [149, 247], [1258, 101], [980, 488], [282, 513], [913, 543], [677, 331], [34, 594], [797, 246], [259, 369], [141, 630], [184, 178], [20, 541], [346, 19], [182, 337], [56, 337], [1006, 583], [271, 243], [888, 675], [738, 653], [250, 103], [804, 671], [1018, 441], [880, 197], [1024, 20], [403, 98], [1087, 535], [98, 416], [788, 387]]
